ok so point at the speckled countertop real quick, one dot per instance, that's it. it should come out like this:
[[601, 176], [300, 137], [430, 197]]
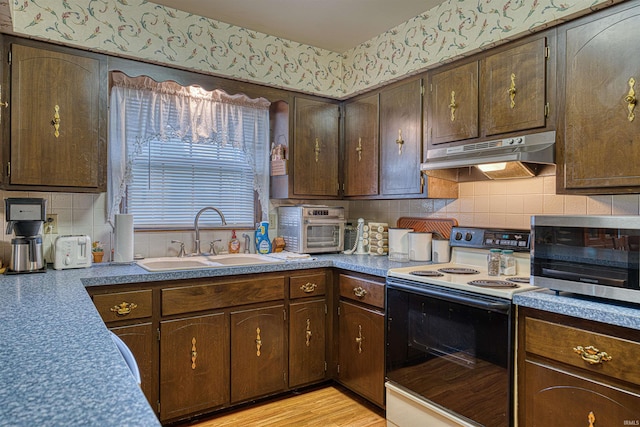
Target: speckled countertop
[[59, 367], [58, 364]]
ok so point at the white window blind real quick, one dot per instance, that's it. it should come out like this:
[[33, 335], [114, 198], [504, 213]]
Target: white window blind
[[174, 150]]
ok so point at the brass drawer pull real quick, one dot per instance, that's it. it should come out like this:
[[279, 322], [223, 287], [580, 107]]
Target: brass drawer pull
[[359, 339], [360, 292], [308, 333], [316, 149], [359, 149], [592, 355], [308, 287], [124, 308], [400, 142], [258, 342], [591, 418], [194, 353], [453, 106]]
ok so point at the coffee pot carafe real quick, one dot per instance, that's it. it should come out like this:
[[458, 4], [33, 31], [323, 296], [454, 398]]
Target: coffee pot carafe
[[25, 217]]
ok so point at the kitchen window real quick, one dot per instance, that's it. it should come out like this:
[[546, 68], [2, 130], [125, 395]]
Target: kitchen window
[[174, 150]]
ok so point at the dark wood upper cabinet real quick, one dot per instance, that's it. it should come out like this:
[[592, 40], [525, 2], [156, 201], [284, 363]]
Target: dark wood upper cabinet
[[316, 148], [58, 123], [453, 104], [513, 84], [361, 147], [401, 139], [599, 123], [498, 93]]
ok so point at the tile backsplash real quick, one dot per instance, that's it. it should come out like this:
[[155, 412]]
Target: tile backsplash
[[506, 203]]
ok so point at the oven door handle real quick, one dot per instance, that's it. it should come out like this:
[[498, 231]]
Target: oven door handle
[[478, 301], [325, 221]]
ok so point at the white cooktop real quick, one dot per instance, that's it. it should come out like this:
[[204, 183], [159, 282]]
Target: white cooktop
[[475, 259]]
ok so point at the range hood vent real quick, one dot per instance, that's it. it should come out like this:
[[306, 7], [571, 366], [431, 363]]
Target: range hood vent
[[515, 157]]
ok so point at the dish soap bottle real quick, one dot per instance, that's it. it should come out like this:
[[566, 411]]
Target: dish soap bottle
[[263, 245], [234, 243]]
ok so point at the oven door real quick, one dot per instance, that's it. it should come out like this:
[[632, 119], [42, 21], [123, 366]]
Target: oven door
[[453, 348], [321, 235]]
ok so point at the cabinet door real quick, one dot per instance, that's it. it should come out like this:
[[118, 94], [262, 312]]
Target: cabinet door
[[361, 147], [306, 342], [453, 106], [600, 131], [401, 139], [257, 352], [57, 119], [316, 148], [140, 340], [557, 398], [361, 353], [514, 84], [194, 364]]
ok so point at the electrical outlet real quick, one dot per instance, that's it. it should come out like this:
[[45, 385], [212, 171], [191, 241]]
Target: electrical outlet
[[51, 226]]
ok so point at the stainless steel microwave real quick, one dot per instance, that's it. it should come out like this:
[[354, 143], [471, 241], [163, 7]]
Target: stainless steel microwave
[[312, 229], [598, 256]]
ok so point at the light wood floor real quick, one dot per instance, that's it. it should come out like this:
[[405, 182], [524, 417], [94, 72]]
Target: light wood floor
[[331, 406]]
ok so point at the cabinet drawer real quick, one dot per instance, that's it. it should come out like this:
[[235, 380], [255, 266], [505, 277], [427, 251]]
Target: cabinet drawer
[[194, 298], [307, 286], [557, 342], [123, 305], [358, 289]]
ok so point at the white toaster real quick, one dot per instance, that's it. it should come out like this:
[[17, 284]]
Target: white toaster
[[72, 252]]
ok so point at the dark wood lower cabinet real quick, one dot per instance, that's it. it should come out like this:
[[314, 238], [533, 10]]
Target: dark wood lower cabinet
[[307, 342], [140, 339], [361, 351], [194, 364], [257, 352]]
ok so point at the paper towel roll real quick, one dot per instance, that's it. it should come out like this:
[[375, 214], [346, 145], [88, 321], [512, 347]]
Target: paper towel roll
[[123, 238]]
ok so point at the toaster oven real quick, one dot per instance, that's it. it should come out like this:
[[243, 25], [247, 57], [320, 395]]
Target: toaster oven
[[312, 229]]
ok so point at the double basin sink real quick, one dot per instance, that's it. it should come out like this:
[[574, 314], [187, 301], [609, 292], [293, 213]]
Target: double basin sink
[[204, 261]]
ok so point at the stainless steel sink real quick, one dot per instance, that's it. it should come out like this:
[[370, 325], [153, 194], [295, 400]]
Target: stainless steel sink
[[199, 262]]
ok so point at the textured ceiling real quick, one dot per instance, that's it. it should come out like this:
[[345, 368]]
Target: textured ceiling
[[335, 25]]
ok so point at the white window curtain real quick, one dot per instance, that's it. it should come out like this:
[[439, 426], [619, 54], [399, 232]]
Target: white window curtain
[[142, 110]]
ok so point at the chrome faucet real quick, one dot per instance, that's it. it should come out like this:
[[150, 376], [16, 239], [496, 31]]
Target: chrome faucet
[[197, 230], [247, 241]]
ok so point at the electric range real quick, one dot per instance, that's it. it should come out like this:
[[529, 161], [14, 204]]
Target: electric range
[[467, 269]]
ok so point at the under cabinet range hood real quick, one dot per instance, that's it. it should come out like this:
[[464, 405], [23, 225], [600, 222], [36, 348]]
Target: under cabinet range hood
[[515, 157]]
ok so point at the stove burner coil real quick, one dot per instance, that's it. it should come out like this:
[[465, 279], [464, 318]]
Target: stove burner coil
[[458, 270], [518, 279], [492, 284], [426, 273]]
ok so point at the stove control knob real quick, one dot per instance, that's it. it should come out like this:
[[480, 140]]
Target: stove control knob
[[468, 237], [458, 235]]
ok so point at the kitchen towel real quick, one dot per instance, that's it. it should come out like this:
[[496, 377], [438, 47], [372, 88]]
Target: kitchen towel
[[123, 240]]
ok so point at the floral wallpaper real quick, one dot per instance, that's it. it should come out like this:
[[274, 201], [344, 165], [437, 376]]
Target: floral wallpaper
[[140, 29]]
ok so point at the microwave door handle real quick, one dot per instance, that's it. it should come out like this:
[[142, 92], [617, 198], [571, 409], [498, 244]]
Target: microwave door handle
[[577, 277]]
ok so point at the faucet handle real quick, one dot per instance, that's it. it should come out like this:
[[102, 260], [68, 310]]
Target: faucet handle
[[212, 246], [182, 252]]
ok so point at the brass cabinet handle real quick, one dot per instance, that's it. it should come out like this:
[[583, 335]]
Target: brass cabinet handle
[[400, 142], [631, 99], [258, 342], [592, 355], [453, 106], [124, 308], [359, 149], [194, 353], [592, 419], [56, 121], [360, 292], [512, 90], [308, 333], [308, 287], [359, 339], [4, 104], [316, 150]]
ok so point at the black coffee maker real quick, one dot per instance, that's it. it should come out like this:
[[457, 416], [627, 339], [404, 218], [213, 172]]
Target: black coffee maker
[[25, 217]]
